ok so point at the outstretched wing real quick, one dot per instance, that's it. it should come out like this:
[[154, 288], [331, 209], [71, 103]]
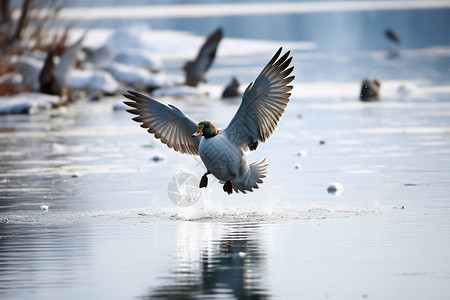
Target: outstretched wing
[[208, 51], [165, 122], [195, 70], [263, 104]]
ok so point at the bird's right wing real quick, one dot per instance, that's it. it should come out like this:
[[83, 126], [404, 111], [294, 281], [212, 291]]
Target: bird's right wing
[[165, 122]]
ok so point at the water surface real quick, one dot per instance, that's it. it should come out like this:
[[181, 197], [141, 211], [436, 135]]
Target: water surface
[[110, 230]]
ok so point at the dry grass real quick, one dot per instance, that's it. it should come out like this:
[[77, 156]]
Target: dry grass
[[33, 30]]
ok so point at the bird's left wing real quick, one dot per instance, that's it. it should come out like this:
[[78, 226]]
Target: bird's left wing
[[196, 69], [208, 51], [165, 122], [263, 104]]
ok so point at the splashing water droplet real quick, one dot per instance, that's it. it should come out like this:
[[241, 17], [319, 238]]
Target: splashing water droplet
[[183, 189]]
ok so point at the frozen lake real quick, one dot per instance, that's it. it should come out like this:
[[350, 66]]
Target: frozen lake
[[86, 213]]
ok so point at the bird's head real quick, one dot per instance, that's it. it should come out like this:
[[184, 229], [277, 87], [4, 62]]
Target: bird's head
[[207, 129]]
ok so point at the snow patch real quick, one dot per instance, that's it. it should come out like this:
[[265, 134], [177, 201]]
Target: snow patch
[[27, 103]]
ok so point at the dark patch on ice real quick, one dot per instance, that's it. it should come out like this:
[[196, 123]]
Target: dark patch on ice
[[157, 158]]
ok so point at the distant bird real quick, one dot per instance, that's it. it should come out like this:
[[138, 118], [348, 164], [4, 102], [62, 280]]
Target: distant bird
[[370, 90], [390, 34], [53, 78], [195, 69], [223, 150], [232, 89], [67, 62], [47, 81]]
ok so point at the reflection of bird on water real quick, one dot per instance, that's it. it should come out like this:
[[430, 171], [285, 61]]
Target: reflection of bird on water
[[370, 90], [231, 267], [195, 69], [390, 34], [222, 151], [232, 89]]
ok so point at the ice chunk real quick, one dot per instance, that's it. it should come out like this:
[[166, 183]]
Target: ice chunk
[[335, 188], [302, 153]]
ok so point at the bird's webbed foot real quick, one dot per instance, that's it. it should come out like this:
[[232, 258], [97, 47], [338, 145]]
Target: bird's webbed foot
[[204, 180], [228, 186]]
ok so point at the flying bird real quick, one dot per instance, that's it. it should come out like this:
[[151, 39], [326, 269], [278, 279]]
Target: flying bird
[[223, 150], [195, 70], [390, 34]]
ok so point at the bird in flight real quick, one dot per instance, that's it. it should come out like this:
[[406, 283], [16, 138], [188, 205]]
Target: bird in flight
[[222, 151]]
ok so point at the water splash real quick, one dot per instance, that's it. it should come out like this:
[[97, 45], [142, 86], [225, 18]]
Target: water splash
[[183, 189], [203, 210], [270, 212]]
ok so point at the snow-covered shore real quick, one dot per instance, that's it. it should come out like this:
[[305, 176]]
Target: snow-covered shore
[[151, 60]]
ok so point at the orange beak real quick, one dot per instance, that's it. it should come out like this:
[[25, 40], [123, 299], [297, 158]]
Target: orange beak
[[199, 131]]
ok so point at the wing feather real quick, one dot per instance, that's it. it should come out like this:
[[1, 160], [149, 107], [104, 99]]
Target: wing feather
[[263, 103], [165, 122], [195, 70]]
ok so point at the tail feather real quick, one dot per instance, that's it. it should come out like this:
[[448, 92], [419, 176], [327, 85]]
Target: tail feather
[[258, 170]]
